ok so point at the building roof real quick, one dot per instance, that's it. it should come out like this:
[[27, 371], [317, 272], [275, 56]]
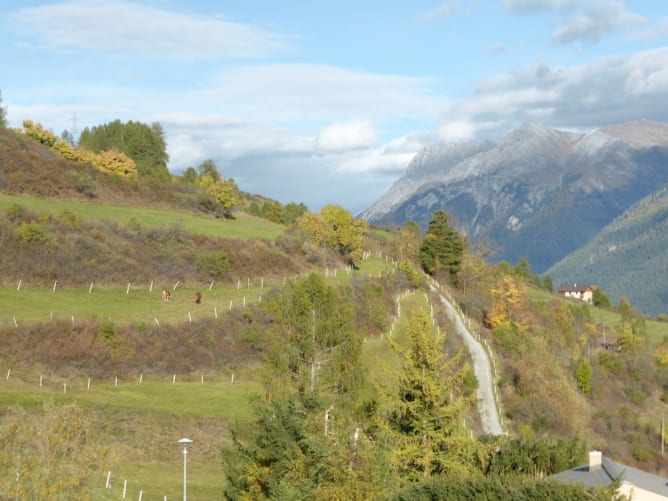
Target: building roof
[[575, 288], [608, 472]]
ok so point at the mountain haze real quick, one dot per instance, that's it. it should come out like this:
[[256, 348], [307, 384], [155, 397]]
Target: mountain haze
[[515, 196]]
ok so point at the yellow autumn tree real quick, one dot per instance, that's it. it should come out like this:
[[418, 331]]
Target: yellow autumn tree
[[111, 162], [509, 303], [47, 454], [114, 162], [337, 228]]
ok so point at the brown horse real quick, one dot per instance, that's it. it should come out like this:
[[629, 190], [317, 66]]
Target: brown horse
[[166, 295]]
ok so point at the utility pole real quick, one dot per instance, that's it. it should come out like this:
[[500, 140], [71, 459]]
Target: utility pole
[[75, 130]]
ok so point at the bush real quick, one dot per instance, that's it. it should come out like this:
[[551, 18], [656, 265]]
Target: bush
[[82, 182], [32, 233], [610, 362], [213, 265]]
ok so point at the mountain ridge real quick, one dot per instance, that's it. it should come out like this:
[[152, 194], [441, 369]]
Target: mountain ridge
[[539, 193]]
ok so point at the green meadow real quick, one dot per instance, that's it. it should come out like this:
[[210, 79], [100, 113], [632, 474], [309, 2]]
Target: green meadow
[[136, 304], [243, 227], [140, 424]]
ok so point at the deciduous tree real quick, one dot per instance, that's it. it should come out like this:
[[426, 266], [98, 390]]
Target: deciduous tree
[[335, 227], [47, 454]]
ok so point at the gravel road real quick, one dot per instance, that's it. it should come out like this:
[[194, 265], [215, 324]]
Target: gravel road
[[489, 414]]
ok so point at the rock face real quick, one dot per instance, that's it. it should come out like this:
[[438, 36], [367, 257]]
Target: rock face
[[540, 193]]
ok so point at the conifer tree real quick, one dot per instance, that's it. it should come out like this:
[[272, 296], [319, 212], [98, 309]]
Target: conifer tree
[[442, 248], [425, 416]]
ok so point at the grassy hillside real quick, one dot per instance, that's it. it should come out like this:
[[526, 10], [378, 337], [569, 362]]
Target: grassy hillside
[[183, 390], [657, 331], [140, 423], [242, 227]]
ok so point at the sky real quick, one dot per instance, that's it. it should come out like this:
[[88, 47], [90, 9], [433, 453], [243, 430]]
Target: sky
[[325, 101]]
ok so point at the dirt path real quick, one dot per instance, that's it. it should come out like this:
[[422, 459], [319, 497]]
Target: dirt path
[[489, 414]]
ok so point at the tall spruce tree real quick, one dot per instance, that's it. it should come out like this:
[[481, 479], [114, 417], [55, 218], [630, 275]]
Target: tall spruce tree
[[442, 248]]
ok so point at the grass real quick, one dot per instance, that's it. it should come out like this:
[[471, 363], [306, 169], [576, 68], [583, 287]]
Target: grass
[[381, 363], [143, 422], [141, 304], [136, 305], [657, 331], [243, 227]]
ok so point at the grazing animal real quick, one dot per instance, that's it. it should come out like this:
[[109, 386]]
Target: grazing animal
[[198, 298], [166, 295]]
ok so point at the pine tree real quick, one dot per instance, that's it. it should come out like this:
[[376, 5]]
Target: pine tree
[[442, 248], [425, 417]]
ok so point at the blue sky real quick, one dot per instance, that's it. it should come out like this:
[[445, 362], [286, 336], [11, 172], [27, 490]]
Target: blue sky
[[327, 101]]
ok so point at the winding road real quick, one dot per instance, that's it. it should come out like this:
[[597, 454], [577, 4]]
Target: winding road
[[489, 414]]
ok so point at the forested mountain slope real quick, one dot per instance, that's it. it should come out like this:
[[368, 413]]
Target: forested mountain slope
[[628, 258]]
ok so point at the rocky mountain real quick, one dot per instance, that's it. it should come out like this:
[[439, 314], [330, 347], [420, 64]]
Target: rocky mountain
[[539, 193]]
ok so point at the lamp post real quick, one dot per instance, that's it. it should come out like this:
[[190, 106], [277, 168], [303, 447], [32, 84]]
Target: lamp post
[[185, 442]]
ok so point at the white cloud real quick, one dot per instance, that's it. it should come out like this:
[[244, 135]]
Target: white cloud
[[443, 10], [457, 131], [497, 48], [601, 18], [131, 28], [613, 89], [377, 161], [346, 136]]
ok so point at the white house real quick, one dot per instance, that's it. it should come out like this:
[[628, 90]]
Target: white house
[[583, 293]]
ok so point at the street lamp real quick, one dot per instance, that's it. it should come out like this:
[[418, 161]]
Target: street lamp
[[185, 442]]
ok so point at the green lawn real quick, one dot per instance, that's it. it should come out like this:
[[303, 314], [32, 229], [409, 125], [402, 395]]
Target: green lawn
[[243, 227]]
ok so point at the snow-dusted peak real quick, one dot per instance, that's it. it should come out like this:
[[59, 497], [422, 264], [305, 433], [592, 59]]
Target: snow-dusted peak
[[530, 138], [591, 144], [640, 133], [440, 159]]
